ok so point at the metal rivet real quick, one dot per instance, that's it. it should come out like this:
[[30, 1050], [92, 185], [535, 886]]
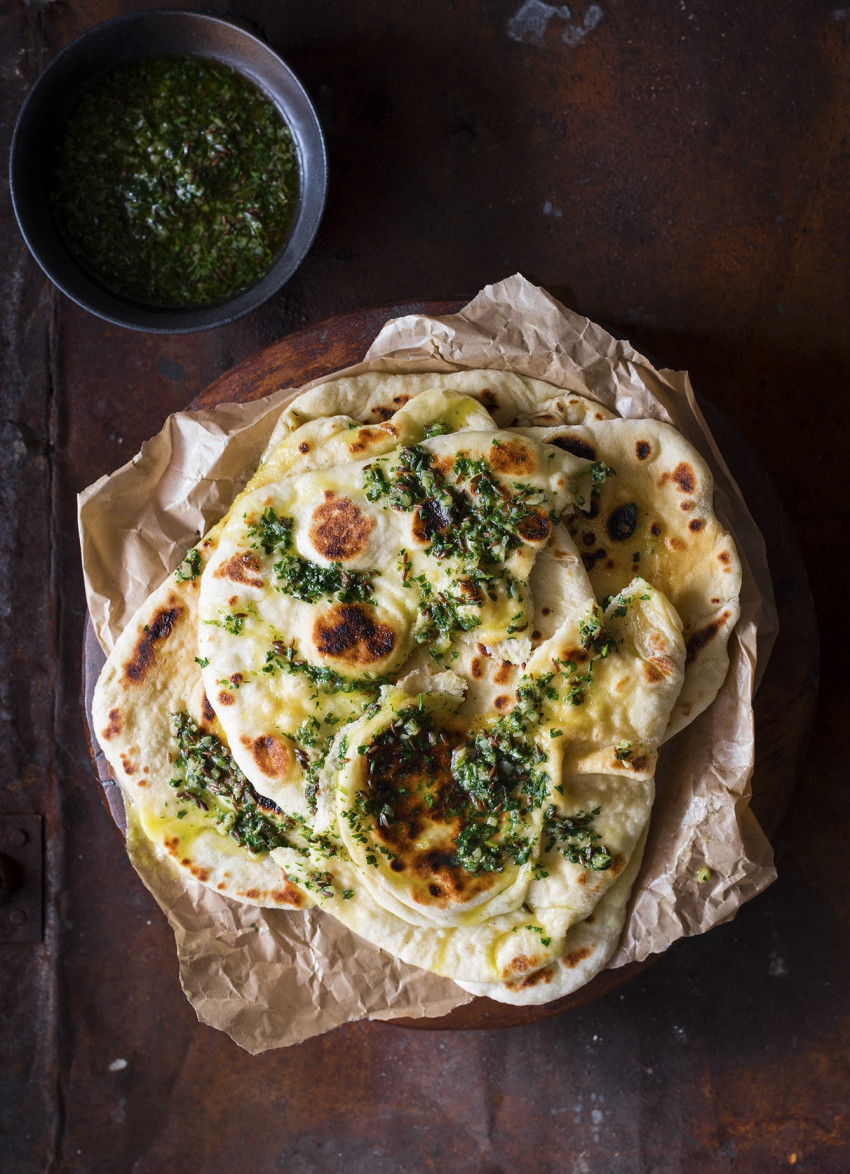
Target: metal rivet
[[21, 878]]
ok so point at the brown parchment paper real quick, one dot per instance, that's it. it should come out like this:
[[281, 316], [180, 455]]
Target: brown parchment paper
[[272, 977]]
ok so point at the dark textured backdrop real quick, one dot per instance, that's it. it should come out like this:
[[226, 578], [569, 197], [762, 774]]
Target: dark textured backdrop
[[678, 171]]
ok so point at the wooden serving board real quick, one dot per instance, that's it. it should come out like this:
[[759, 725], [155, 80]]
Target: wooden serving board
[[785, 701]]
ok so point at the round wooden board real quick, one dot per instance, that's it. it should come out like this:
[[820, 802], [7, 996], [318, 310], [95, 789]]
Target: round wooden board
[[785, 701]]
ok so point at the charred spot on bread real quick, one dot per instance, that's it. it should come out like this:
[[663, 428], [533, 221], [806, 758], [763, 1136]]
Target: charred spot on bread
[[698, 640], [155, 632], [622, 522], [339, 529], [683, 477], [512, 457], [575, 445], [270, 755], [350, 633], [241, 568]]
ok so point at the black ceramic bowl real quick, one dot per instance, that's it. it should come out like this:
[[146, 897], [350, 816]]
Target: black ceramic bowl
[[79, 66]]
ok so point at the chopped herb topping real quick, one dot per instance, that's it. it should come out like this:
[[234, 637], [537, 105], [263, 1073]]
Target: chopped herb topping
[[596, 641], [599, 474], [441, 615], [506, 756], [301, 578], [575, 838], [411, 765], [308, 581], [190, 567], [208, 777], [272, 532], [232, 622], [489, 781], [476, 519], [538, 929], [622, 607], [319, 882], [438, 428], [311, 749], [375, 482], [283, 657], [472, 523]]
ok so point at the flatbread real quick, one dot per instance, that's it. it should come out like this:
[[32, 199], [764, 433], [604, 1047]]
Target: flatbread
[[398, 680], [588, 948], [651, 513], [397, 884], [150, 676], [512, 400], [320, 590]]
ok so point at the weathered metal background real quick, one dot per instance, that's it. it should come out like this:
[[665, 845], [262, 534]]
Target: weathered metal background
[[678, 171]]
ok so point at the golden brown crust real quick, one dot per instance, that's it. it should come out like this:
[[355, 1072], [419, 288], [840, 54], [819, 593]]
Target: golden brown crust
[[339, 529], [241, 568], [272, 757], [512, 457], [158, 630]]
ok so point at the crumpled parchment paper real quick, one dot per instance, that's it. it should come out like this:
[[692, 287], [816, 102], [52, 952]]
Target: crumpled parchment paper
[[273, 977]]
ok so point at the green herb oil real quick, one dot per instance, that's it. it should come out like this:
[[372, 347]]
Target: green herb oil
[[175, 181]]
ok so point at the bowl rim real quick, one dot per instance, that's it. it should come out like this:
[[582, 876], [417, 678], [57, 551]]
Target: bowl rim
[[236, 46]]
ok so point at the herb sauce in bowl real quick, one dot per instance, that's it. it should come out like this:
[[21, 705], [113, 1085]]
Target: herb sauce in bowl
[[175, 181]]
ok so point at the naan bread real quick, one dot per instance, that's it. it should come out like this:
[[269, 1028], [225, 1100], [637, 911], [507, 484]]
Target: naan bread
[[151, 676], [651, 512], [419, 674], [413, 784], [512, 400], [588, 948], [322, 585]]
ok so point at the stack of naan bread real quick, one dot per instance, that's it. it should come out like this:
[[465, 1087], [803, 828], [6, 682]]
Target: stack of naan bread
[[420, 672]]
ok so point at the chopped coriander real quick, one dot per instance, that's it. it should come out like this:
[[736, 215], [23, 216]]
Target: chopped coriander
[[190, 567], [232, 622], [438, 428], [575, 838], [309, 581], [272, 532], [599, 475], [282, 657], [207, 775]]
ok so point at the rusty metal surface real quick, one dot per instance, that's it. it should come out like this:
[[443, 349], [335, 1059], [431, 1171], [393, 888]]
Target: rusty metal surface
[[678, 171], [21, 878]]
